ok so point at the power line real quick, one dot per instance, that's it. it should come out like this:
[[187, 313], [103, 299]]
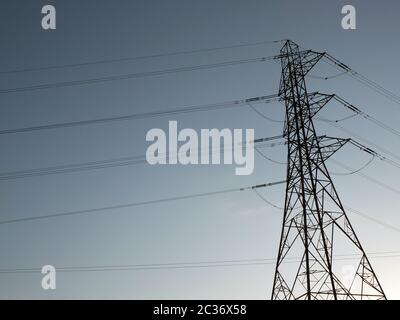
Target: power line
[[334, 123], [352, 171], [114, 162], [380, 222], [375, 87], [181, 110], [267, 201], [362, 79], [188, 265], [136, 204], [365, 115], [134, 75], [373, 180], [268, 158], [366, 149], [375, 154], [333, 173], [262, 114], [355, 170], [368, 217], [158, 55], [384, 150], [357, 212], [327, 77]]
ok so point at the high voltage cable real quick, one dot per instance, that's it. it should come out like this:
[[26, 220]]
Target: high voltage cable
[[136, 204], [134, 75], [188, 265], [368, 217], [362, 79], [143, 203], [356, 110], [357, 212], [380, 183], [181, 110], [334, 123], [267, 201], [350, 169], [158, 55], [375, 154], [380, 90], [384, 150], [365, 115], [327, 77], [356, 170], [380, 222], [163, 200], [353, 171], [112, 163], [262, 114], [334, 173], [268, 158]]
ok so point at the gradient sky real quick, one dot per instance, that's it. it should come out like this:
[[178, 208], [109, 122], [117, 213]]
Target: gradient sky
[[221, 227]]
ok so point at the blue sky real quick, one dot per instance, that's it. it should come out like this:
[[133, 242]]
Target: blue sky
[[220, 227]]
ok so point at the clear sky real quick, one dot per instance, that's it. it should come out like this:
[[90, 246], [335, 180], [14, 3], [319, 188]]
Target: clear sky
[[220, 227]]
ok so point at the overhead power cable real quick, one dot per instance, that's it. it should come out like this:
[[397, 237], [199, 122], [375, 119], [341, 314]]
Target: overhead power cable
[[268, 158], [365, 115], [351, 170], [374, 153], [153, 114], [267, 201], [119, 162], [63, 84], [136, 58], [356, 170], [327, 77], [362, 79], [380, 222], [262, 114], [376, 146], [357, 212], [136, 204], [189, 265], [369, 178], [368, 150]]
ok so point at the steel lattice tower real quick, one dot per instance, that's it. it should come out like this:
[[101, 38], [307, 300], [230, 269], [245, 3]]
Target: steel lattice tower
[[314, 215]]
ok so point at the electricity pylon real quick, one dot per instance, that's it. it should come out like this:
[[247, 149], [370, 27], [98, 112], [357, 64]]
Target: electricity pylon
[[314, 216]]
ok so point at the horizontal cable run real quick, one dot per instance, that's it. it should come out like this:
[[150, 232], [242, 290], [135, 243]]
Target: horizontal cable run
[[144, 74], [136, 204], [120, 162], [136, 116], [144, 57], [190, 265], [362, 79]]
